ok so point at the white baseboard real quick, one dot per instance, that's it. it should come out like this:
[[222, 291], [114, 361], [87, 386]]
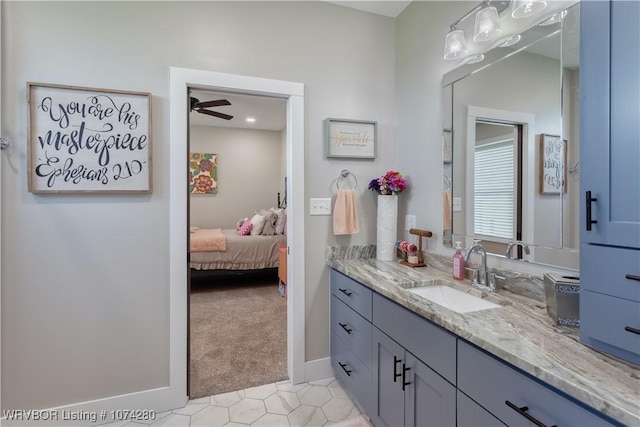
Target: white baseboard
[[318, 369]]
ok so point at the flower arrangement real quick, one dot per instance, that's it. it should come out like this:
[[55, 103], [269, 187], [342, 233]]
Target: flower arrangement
[[391, 182]]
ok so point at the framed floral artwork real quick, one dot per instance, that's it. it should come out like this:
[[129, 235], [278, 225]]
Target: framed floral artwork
[[203, 173]]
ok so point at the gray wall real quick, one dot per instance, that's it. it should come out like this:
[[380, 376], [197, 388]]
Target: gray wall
[[249, 168], [85, 294]]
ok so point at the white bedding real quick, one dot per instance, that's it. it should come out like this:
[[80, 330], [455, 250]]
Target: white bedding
[[243, 253]]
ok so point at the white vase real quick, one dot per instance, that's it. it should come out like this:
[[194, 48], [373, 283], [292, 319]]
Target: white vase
[[387, 227]]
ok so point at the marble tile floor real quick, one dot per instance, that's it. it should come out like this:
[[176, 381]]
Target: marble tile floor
[[317, 403]]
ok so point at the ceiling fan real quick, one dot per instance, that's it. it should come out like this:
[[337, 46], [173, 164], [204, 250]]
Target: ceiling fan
[[201, 107]]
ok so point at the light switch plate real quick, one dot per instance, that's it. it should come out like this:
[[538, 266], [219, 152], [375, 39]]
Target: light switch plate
[[409, 222], [457, 204], [320, 206]]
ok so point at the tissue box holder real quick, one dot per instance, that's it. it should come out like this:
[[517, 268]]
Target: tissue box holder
[[563, 299]]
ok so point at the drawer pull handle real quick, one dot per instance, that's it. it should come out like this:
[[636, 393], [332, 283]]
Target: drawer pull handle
[[632, 277], [344, 291], [589, 200], [396, 375], [344, 326], [523, 411], [344, 368], [404, 376], [630, 329]]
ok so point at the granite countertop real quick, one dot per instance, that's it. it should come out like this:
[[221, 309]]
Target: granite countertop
[[520, 332]]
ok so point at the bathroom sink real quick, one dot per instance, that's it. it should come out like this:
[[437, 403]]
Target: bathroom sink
[[452, 298]]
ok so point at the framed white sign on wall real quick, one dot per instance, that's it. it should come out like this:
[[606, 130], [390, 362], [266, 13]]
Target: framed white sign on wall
[[355, 139], [86, 140]]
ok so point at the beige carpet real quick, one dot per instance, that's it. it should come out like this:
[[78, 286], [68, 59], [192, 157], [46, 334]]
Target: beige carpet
[[238, 334]]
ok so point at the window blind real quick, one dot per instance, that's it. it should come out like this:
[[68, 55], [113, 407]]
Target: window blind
[[494, 183]]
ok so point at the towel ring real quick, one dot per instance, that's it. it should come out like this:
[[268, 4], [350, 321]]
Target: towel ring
[[343, 175]]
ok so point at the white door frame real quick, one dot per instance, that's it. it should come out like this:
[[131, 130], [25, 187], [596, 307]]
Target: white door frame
[[181, 79]]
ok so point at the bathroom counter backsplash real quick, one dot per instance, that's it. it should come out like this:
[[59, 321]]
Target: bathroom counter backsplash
[[521, 332]]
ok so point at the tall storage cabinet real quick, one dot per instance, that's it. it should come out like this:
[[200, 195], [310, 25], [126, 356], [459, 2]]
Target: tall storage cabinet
[[610, 177]]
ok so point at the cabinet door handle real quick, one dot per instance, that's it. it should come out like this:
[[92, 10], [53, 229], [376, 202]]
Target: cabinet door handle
[[344, 368], [395, 370], [630, 329], [344, 291], [404, 376], [344, 326], [522, 410], [590, 200], [632, 277]]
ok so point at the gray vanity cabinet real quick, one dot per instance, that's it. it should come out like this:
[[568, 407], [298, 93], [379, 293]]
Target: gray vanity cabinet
[[351, 335], [610, 177], [407, 371]]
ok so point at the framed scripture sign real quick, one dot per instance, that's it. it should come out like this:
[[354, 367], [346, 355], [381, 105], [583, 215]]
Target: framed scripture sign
[[350, 138], [85, 140], [553, 164]]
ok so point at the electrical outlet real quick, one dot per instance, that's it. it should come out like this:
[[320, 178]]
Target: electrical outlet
[[457, 204], [409, 222], [319, 206]]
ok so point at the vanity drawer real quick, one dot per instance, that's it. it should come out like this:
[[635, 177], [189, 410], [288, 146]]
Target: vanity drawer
[[470, 414], [492, 383], [353, 329], [430, 343], [353, 372], [352, 293], [608, 323], [621, 278]]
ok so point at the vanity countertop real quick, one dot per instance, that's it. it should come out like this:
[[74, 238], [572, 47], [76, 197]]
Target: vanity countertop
[[521, 332]]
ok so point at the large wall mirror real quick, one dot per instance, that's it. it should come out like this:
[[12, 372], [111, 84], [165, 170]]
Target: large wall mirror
[[511, 147]]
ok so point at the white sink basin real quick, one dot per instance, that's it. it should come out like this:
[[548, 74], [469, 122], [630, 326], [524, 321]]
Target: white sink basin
[[453, 299]]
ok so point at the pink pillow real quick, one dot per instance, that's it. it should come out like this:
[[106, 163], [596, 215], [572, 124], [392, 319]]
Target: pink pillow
[[245, 228]]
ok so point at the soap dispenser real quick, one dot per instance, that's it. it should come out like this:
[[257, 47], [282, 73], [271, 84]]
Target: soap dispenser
[[458, 263]]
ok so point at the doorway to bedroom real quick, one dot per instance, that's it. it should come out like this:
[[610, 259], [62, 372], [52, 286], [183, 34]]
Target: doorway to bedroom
[[237, 221]]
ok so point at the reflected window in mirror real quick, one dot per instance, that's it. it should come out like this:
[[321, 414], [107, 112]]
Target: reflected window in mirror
[[497, 181]]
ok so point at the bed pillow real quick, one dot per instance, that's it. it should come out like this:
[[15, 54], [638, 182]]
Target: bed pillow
[[239, 223], [280, 220], [269, 222], [257, 224], [245, 228]]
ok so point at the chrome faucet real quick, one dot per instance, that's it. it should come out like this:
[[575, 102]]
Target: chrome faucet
[[512, 244], [481, 279]]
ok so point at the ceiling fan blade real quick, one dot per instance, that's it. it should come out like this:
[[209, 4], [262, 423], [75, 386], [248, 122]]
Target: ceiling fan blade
[[215, 114], [216, 103]]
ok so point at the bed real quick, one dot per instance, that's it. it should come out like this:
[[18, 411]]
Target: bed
[[240, 252]]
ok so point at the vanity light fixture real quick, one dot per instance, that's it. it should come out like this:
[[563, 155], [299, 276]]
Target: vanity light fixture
[[527, 8], [487, 25], [455, 45], [487, 28], [511, 41]]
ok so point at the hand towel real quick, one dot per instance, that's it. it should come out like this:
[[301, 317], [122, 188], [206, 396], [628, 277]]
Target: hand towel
[[446, 212], [345, 217]]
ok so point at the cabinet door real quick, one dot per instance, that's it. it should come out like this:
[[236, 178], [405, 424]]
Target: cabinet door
[[429, 399], [610, 122], [388, 357]]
